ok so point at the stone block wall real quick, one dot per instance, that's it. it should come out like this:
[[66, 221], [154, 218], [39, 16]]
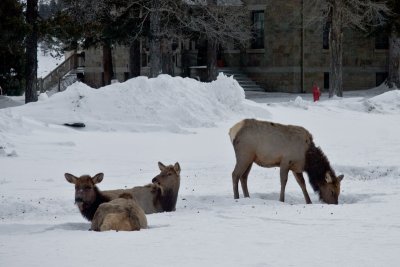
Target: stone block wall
[[277, 67]]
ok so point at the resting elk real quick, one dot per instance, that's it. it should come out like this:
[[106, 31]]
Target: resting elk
[[159, 196], [291, 148], [120, 214]]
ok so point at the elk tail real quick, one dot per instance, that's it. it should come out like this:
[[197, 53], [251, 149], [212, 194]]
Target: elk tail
[[235, 129]]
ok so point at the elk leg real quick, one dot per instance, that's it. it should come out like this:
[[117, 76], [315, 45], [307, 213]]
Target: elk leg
[[284, 171], [243, 181], [302, 183], [240, 168]]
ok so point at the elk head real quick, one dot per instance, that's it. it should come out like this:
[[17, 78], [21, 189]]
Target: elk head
[[169, 177], [330, 189], [85, 188]]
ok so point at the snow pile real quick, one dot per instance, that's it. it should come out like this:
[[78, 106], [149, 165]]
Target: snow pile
[[388, 102], [6, 102], [299, 102], [38, 216], [164, 103], [375, 100], [382, 103]]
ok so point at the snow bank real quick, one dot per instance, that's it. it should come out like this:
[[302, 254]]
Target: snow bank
[[384, 103], [164, 103], [388, 102], [7, 102]]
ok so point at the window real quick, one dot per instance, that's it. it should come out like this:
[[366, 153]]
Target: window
[[145, 58], [381, 77], [326, 80], [381, 40], [325, 35], [258, 30]]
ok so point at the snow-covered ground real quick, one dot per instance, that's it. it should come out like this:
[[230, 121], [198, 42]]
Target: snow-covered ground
[[133, 125], [47, 62]]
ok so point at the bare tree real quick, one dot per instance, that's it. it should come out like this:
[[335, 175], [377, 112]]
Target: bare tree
[[164, 22], [171, 20], [220, 22], [155, 38], [340, 14]]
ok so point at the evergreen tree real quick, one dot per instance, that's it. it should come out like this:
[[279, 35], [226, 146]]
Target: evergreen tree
[[31, 51], [12, 32], [394, 44]]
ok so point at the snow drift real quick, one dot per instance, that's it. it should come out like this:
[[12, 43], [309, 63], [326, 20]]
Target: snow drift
[[40, 226], [164, 103]]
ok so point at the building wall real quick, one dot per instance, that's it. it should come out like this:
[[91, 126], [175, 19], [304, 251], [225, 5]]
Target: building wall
[[277, 67], [121, 67], [94, 67]]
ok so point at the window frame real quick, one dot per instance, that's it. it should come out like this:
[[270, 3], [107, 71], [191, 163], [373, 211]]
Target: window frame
[[258, 29]]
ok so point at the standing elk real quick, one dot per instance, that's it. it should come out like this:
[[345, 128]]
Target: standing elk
[[291, 148], [120, 214]]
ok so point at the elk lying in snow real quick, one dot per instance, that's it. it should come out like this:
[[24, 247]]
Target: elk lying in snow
[[159, 196], [87, 196], [120, 214], [289, 147]]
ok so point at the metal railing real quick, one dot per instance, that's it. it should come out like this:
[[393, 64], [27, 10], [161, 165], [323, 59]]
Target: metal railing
[[54, 77]]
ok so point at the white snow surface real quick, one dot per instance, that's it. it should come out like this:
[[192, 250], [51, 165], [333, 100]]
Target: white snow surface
[[47, 62], [131, 126]]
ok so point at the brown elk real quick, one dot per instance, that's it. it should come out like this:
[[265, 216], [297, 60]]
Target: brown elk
[[121, 214], [159, 196], [289, 147], [87, 196]]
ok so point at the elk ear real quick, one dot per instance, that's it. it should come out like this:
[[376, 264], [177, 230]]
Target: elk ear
[[161, 166], [177, 168], [70, 178], [340, 177], [328, 178], [98, 178]]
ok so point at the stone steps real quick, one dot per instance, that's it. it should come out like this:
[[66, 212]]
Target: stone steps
[[245, 82]]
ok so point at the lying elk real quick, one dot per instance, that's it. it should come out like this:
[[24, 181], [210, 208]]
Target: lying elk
[[159, 196], [289, 147], [121, 214]]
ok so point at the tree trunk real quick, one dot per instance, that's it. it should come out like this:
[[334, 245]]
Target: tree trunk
[[154, 38], [31, 51], [166, 57], [336, 51], [212, 60], [212, 46], [107, 64], [394, 58], [134, 59]]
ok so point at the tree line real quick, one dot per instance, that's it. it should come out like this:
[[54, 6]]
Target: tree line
[[70, 24]]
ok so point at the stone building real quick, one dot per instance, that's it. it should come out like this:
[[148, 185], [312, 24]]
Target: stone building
[[281, 57]]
